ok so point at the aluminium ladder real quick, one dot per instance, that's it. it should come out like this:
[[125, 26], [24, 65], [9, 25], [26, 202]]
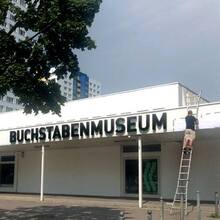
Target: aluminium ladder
[[183, 180], [184, 171]]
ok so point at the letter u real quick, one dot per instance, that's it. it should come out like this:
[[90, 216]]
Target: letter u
[[20, 136]]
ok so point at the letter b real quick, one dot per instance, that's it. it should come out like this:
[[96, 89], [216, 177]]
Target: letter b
[[12, 136]]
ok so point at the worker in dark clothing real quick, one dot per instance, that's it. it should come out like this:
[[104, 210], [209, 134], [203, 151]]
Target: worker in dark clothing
[[190, 134]]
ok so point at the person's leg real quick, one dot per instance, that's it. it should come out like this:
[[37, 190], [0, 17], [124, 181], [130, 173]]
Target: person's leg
[[184, 142], [190, 144], [186, 139], [192, 138]]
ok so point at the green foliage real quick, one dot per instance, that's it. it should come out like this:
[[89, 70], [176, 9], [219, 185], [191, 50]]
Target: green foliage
[[4, 5], [214, 216], [58, 27]]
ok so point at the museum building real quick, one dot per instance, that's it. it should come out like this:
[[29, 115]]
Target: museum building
[[126, 144]]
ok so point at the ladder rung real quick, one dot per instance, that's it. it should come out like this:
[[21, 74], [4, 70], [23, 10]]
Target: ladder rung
[[178, 200], [186, 155], [184, 179], [185, 159], [182, 186], [184, 166], [177, 207], [183, 172]]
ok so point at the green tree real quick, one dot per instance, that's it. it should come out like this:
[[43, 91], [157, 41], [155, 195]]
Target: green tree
[[58, 28]]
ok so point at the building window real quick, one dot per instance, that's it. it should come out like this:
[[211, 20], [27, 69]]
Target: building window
[[23, 3], [1, 108], [7, 170], [145, 148], [9, 99], [8, 109], [17, 101], [21, 32], [10, 26], [12, 17]]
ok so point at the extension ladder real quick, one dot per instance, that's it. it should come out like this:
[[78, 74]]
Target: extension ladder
[[183, 180], [184, 171]]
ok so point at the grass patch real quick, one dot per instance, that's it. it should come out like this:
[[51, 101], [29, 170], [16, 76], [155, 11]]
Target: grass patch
[[214, 216]]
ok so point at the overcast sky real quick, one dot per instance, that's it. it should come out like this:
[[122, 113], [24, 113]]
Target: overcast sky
[[150, 42]]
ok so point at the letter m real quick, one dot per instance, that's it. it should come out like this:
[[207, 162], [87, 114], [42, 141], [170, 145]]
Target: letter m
[[159, 123]]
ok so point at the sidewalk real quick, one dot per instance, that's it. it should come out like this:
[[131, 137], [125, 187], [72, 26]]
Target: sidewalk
[[28, 207]]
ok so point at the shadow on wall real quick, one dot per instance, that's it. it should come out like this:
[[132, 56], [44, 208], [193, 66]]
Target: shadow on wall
[[60, 213]]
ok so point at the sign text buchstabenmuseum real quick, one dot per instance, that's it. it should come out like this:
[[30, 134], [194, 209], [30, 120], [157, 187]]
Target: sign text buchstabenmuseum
[[140, 124]]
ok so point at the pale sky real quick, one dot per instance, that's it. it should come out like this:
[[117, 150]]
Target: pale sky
[[150, 42]]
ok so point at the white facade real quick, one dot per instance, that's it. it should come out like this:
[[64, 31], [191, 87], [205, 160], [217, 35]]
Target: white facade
[[94, 88], [100, 164], [70, 164], [9, 103]]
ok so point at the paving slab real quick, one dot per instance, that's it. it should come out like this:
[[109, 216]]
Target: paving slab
[[28, 207]]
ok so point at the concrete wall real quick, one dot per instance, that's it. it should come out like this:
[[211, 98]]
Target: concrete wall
[[205, 172], [78, 171], [169, 167], [98, 171], [205, 169], [29, 172]]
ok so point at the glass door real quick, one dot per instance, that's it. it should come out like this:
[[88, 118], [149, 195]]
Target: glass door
[[150, 176], [7, 173]]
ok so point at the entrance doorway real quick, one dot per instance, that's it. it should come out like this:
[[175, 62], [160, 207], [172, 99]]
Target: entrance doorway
[[7, 173], [150, 176]]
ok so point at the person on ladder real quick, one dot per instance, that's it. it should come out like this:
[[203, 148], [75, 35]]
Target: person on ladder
[[190, 134]]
